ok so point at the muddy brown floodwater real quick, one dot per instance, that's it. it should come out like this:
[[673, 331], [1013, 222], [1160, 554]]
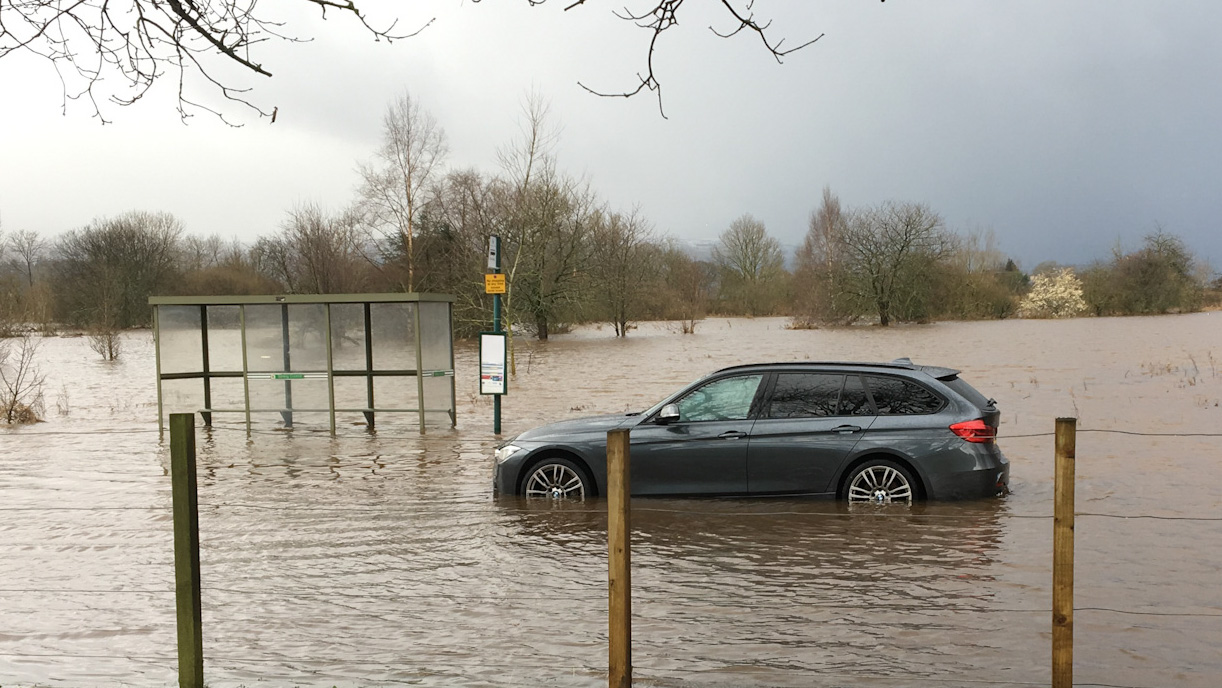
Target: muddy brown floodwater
[[383, 560]]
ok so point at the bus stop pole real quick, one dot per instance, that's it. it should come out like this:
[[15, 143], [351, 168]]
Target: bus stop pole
[[496, 328]]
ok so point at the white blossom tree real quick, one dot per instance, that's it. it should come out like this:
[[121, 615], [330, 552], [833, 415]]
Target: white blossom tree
[[1054, 295]]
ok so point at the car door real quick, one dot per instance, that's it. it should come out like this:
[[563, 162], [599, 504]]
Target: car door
[[807, 426], [705, 450]]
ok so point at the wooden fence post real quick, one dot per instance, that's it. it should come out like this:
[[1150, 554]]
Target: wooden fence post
[[619, 668], [186, 550], [1062, 554]]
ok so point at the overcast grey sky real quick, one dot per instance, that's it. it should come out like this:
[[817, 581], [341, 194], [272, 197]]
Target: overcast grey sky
[[1063, 126]]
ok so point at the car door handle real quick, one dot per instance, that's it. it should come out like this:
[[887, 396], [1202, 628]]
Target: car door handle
[[732, 435], [846, 429]]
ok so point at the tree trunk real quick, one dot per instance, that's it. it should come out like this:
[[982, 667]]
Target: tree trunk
[[541, 326]]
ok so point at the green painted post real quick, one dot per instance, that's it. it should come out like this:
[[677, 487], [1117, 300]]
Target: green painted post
[[419, 365], [157, 357], [370, 414], [496, 328], [206, 413], [453, 378], [245, 367], [330, 368], [287, 414], [186, 551]]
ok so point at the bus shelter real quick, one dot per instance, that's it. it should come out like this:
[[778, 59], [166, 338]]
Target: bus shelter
[[305, 359]]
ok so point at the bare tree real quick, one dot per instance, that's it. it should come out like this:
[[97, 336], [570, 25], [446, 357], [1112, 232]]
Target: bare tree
[[527, 163], [31, 302], [131, 44], [551, 251], [203, 253], [752, 265], [315, 254], [394, 186], [1160, 277], [11, 320], [106, 342], [233, 272], [127, 259], [888, 258], [532, 156], [104, 333], [9, 296], [20, 381], [979, 251], [28, 248], [626, 269], [977, 280], [818, 298], [690, 285], [826, 221], [462, 213]]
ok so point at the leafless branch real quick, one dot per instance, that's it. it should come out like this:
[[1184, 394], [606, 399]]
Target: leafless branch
[[663, 15], [748, 22], [91, 42]]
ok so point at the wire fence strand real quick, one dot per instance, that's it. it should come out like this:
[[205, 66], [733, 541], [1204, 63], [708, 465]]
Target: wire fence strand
[[441, 508], [322, 433], [509, 665]]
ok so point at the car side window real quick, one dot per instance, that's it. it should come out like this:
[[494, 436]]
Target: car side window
[[896, 397], [804, 395], [726, 399], [853, 400]]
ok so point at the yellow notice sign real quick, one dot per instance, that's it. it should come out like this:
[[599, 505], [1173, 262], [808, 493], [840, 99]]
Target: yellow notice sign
[[494, 284]]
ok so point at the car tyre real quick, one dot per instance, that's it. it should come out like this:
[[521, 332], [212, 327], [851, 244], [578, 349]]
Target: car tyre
[[880, 482], [557, 478]]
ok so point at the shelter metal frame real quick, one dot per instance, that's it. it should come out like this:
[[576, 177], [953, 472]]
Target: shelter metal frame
[[289, 374]]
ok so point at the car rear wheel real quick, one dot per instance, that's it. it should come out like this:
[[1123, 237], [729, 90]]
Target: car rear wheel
[[556, 478], [879, 481]]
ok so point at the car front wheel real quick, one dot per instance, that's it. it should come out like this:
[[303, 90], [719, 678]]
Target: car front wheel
[[880, 481], [556, 478]]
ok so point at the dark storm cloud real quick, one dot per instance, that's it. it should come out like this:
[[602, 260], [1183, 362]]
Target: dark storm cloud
[[1062, 126]]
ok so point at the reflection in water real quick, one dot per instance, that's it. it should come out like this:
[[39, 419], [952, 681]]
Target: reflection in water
[[810, 586], [381, 559], [782, 542]]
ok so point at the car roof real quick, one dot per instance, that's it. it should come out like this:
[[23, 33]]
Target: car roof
[[935, 372]]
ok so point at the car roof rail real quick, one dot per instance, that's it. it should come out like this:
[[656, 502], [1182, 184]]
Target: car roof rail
[[863, 364]]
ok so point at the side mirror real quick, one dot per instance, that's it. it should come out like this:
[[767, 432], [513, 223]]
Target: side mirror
[[668, 414]]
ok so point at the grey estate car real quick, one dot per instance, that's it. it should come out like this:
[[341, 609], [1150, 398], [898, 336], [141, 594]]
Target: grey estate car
[[861, 432]]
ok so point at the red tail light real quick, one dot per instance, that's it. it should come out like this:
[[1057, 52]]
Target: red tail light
[[975, 431]]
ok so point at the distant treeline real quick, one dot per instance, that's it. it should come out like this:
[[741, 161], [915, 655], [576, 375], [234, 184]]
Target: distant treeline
[[568, 257]]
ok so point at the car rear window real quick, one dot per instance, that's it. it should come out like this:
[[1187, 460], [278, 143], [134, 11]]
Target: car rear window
[[960, 386], [896, 397]]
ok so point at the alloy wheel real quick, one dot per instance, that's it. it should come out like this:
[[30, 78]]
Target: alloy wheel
[[555, 481], [880, 484]]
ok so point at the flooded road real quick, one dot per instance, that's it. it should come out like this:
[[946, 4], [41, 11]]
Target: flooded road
[[382, 560]]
